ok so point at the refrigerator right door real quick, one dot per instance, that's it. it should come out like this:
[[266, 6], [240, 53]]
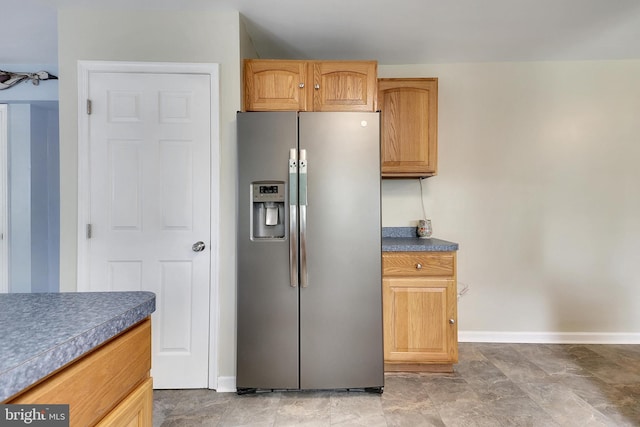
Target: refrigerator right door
[[341, 296]]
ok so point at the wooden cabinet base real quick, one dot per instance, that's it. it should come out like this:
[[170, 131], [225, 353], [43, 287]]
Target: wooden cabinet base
[[418, 367], [419, 299], [100, 382]]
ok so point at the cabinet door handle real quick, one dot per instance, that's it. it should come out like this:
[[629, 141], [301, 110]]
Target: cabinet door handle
[[418, 266], [301, 85], [317, 86], [452, 321]]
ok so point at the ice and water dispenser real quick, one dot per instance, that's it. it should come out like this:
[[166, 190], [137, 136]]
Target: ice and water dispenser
[[267, 210]]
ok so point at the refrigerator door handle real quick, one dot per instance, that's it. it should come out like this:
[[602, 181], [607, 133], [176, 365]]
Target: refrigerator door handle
[[293, 218], [304, 282]]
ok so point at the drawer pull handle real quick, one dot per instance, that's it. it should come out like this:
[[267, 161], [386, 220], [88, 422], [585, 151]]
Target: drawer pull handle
[[418, 266], [452, 321]]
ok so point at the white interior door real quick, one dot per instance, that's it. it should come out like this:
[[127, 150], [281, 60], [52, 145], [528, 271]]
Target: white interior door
[[149, 177]]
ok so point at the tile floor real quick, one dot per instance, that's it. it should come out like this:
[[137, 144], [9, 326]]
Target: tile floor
[[493, 385]]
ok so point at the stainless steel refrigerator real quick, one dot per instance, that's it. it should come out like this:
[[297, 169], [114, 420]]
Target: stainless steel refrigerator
[[309, 313]]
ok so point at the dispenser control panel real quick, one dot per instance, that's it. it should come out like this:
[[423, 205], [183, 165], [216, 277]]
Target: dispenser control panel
[[271, 192], [268, 214]]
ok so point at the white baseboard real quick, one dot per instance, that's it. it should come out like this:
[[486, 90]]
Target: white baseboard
[[550, 337], [226, 385]]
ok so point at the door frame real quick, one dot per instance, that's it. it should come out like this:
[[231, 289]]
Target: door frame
[[4, 199], [85, 68]]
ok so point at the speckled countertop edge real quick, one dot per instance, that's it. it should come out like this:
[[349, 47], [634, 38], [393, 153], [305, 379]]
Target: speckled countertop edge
[[404, 239], [43, 332]]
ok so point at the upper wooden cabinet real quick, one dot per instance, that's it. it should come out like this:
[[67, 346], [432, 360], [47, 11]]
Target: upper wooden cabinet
[[292, 85], [409, 122], [275, 85], [344, 86]]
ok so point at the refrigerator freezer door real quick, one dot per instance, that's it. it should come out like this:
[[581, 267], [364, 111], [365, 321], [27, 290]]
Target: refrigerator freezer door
[[267, 309], [341, 305]]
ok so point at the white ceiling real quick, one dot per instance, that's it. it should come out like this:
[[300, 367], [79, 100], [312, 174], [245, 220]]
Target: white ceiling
[[390, 31]]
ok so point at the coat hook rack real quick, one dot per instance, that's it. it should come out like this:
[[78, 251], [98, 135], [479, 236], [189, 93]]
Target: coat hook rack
[[9, 78]]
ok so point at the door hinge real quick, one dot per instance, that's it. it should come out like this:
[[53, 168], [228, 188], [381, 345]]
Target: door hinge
[[89, 231], [88, 106]]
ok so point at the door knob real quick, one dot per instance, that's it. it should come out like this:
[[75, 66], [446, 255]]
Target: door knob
[[198, 247]]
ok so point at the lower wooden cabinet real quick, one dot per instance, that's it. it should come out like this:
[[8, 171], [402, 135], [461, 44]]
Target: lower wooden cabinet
[[110, 386], [134, 411], [420, 311]]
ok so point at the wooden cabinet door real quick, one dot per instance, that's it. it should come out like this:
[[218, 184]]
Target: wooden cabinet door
[[419, 320], [134, 411], [344, 85], [409, 125], [275, 85]]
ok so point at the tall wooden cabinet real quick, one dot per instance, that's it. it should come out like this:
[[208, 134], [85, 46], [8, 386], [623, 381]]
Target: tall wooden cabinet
[[297, 85], [409, 122], [420, 311]]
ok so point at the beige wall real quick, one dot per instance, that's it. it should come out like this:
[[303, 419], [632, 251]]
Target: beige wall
[[538, 182], [162, 36]]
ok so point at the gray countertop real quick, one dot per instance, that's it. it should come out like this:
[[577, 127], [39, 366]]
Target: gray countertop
[[41, 333], [401, 239]]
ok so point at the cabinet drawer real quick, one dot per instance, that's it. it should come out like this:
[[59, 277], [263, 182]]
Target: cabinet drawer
[[418, 264]]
